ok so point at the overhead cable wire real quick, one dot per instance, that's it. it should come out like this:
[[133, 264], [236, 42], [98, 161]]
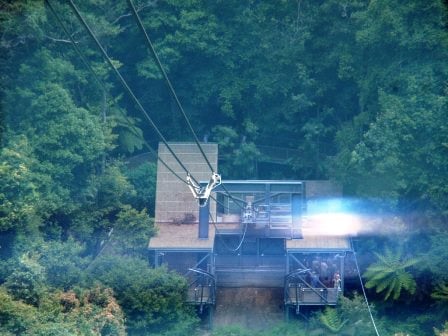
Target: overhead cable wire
[[364, 293], [226, 206], [123, 82], [170, 86], [167, 80], [103, 86], [240, 243], [126, 86], [136, 101], [231, 196]]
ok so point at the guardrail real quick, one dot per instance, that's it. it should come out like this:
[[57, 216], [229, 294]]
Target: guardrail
[[298, 292], [202, 289]]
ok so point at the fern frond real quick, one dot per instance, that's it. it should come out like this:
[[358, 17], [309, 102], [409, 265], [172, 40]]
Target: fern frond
[[408, 282], [388, 257], [440, 292], [379, 275], [381, 286], [411, 262], [385, 259], [397, 288], [390, 289], [389, 276], [331, 320]]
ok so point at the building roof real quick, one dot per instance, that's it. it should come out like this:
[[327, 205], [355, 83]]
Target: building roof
[[181, 237], [177, 211], [318, 244], [174, 200]]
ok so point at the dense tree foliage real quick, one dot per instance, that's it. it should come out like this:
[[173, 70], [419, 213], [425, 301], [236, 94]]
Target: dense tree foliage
[[355, 91], [153, 299]]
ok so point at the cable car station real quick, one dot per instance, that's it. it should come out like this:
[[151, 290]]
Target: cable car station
[[249, 233]]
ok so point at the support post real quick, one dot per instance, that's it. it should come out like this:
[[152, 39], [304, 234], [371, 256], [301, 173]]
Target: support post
[[210, 317], [296, 214], [156, 258], [204, 212], [342, 272]]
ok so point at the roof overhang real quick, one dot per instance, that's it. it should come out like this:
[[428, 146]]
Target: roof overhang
[[181, 237], [310, 244]]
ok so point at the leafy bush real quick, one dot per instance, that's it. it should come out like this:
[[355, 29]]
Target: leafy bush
[[285, 329], [91, 312], [27, 282], [63, 263], [132, 231], [15, 316], [153, 300]]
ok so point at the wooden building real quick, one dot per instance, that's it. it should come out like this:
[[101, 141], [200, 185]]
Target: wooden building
[[250, 233]]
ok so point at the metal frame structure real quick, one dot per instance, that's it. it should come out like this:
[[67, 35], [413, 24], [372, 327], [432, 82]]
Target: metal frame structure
[[271, 209], [202, 290], [258, 262], [249, 234], [304, 287]]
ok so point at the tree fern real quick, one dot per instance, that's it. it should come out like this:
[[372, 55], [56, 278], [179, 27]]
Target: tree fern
[[331, 320], [389, 275], [130, 136]]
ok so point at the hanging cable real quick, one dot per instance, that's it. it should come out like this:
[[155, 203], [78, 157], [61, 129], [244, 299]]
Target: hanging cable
[[219, 234], [170, 86], [125, 85], [152, 151], [233, 198], [240, 243], [167, 80], [103, 86], [364, 293], [136, 101]]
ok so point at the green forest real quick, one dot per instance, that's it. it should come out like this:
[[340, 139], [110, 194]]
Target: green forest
[[353, 91]]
